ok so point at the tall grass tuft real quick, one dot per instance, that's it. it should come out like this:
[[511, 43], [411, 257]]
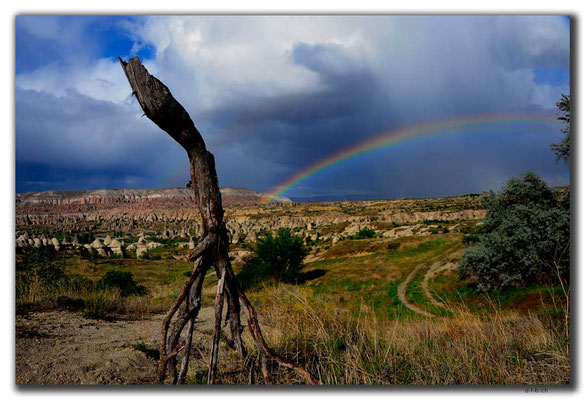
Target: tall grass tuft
[[493, 348]]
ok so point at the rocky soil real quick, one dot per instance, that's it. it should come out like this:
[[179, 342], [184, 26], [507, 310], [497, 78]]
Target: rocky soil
[[63, 348]]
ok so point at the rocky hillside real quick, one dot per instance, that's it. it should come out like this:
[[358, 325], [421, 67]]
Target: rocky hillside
[[77, 200]]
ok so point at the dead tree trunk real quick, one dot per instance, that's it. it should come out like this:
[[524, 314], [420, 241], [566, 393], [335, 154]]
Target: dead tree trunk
[[160, 107]]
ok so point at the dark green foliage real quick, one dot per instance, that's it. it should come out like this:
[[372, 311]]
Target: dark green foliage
[[278, 257], [122, 280], [52, 274], [44, 263], [563, 148], [393, 246], [35, 257], [525, 238], [470, 239], [365, 233], [85, 238]]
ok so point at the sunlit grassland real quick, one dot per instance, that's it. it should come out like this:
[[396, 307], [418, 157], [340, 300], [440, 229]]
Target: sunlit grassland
[[345, 322]]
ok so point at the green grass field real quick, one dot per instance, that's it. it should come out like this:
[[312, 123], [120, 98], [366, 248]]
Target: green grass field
[[345, 321]]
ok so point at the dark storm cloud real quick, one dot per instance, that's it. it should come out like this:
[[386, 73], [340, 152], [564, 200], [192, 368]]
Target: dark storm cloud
[[273, 95], [77, 141], [330, 116]]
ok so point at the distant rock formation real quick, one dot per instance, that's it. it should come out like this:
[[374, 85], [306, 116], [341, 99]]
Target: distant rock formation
[[76, 200]]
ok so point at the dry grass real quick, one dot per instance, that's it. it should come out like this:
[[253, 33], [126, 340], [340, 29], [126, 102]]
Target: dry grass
[[347, 325], [490, 349]]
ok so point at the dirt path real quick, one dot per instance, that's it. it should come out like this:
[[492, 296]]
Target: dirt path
[[435, 269], [63, 348], [402, 293]]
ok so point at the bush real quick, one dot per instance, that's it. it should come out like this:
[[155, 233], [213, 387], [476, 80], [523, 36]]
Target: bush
[[525, 238], [393, 246], [365, 233], [85, 238], [52, 275], [122, 280], [35, 257], [470, 239], [44, 264], [278, 257]]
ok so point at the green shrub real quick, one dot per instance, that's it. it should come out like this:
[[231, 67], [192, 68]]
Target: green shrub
[[470, 239], [365, 233], [278, 257], [44, 264], [525, 238], [35, 257], [122, 280], [85, 238], [393, 246]]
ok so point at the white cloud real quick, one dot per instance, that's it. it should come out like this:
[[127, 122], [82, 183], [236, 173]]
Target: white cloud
[[102, 80], [249, 69]]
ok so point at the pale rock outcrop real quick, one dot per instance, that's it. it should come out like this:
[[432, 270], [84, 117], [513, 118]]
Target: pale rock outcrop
[[56, 244], [141, 251], [251, 237], [107, 240], [99, 247], [389, 234], [116, 247]]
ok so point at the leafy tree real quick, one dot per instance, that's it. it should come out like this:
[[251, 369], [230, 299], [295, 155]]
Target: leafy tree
[[36, 257], [123, 280], [278, 257], [525, 238], [44, 263], [85, 238], [365, 233], [563, 148]]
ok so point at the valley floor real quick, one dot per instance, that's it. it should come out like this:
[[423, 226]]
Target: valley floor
[[387, 309]]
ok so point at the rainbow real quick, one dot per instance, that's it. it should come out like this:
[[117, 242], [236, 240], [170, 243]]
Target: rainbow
[[389, 138]]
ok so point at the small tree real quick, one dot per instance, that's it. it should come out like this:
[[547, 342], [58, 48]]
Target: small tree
[[365, 233], [278, 257], [282, 254], [525, 238], [123, 280], [563, 148]]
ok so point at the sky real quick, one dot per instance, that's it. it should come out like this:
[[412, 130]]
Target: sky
[[273, 95]]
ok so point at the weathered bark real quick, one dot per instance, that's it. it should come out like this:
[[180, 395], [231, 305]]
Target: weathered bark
[[160, 106], [185, 361], [216, 329]]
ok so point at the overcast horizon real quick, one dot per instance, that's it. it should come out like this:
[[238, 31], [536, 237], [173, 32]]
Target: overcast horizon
[[273, 95]]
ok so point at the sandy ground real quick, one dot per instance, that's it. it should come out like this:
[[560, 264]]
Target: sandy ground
[[63, 348]]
